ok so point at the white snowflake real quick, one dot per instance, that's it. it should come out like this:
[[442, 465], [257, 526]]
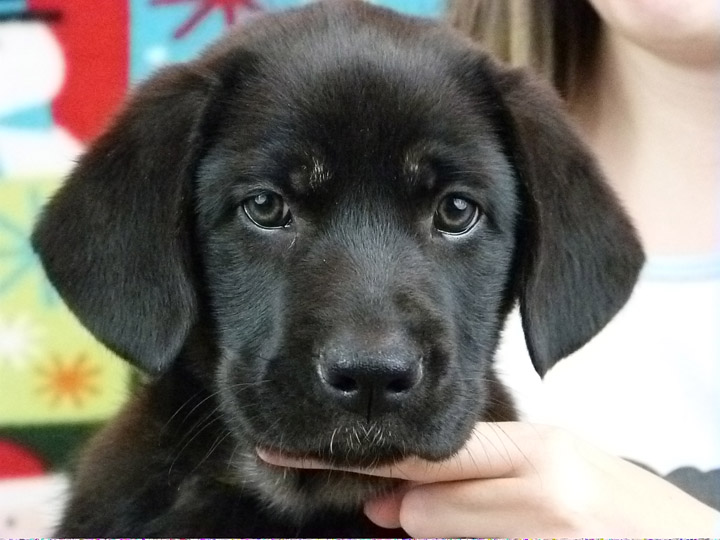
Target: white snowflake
[[19, 341]]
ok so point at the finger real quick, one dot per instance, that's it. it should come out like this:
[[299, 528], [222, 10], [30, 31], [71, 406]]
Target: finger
[[502, 507], [385, 511], [494, 450]]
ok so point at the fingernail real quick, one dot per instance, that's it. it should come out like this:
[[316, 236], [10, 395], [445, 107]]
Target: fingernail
[[281, 460], [269, 456]]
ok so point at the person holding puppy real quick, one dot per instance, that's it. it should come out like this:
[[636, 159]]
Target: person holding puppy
[[642, 81]]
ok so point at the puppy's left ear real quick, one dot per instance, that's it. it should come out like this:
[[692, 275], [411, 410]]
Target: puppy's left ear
[[114, 240], [579, 256]]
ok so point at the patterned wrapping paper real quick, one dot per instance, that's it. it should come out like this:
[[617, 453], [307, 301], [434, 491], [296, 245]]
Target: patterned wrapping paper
[[65, 66]]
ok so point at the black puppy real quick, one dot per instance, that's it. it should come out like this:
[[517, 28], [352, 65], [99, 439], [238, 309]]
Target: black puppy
[[309, 238]]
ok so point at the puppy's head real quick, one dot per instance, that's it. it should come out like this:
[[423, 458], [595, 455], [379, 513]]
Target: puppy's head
[[349, 202]]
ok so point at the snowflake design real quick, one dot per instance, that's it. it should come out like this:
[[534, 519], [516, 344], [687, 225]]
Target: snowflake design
[[203, 9], [74, 380], [15, 247], [19, 341]]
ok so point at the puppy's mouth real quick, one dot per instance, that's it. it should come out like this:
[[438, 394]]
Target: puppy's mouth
[[338, 455]]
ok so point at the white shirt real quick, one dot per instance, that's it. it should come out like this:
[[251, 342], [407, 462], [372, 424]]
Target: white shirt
[[647, 387]]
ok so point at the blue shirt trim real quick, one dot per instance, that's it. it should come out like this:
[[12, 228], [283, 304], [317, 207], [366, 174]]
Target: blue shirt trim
[[682, 268]]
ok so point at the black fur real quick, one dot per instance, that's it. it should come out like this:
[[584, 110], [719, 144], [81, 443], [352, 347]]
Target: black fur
[[358, 333]]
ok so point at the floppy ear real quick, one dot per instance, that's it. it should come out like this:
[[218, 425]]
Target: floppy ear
[[114, 239], [579, 256]]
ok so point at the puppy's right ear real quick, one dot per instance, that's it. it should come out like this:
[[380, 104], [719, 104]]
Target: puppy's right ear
[[114, 239]]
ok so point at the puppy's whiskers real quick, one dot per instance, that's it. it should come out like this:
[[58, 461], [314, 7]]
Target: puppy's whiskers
[[332, 439], [187, 444], [177, 411], [517, 447], [218, 441]]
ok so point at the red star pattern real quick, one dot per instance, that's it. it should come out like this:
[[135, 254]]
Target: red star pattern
[[203, 9]]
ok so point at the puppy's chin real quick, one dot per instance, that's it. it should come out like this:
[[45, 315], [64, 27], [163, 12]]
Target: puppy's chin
[[298, 493]]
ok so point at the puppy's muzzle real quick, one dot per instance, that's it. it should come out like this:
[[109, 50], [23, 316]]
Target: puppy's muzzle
[[369, 378]]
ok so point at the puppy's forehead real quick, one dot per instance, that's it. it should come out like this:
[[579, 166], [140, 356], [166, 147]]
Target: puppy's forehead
[[346, 97], [316, 173], [311, 175], [365, 81]]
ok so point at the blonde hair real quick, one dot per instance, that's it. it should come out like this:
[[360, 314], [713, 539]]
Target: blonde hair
[[556, 38]]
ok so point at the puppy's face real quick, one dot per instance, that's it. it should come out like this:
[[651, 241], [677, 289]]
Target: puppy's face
[[357, 236], [344, 203]]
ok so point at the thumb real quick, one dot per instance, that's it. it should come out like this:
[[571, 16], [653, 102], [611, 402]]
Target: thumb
[[385, 511]]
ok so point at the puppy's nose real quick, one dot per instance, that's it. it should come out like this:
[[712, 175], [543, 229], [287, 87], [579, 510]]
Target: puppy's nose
[[369, 383]]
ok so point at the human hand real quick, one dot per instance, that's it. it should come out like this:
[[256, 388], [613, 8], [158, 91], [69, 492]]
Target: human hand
[[517, 479]]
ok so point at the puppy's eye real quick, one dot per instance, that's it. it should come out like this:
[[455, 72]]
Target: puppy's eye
[[456, 215], [267, 210]]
